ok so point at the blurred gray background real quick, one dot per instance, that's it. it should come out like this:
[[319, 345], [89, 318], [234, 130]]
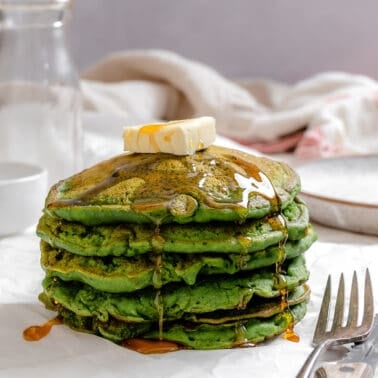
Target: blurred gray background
[[283, 40]]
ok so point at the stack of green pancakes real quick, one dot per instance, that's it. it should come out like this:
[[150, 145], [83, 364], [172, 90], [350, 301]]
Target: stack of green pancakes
[[205, 251]]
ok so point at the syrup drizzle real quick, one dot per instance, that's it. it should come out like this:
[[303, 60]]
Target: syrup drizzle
[[37, 332], [191, 179], [115, 177], [157, 280], [151, 346], [240, 334], [244, 242], [151, 130], [160, 311], [281, 283], [256, 181], [290, 334]]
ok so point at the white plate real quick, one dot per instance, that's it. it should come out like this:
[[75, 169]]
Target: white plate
[[343, 192]]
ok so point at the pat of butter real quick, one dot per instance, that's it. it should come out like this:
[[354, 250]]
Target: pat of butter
[[183, 137]]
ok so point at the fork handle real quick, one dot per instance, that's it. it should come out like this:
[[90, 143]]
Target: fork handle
[[309, 364], [342, 369]]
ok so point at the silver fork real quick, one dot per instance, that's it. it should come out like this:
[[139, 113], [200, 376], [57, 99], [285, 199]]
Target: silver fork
[[340, 333]]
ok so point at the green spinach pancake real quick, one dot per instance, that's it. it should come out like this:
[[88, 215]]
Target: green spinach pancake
[[201, 251]]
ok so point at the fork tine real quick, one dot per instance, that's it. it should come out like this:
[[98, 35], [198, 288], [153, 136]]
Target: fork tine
[[321, 324], [339, 307], [339, 334], [367, 319], [353, 303]]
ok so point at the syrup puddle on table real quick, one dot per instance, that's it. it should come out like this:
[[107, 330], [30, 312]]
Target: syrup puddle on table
[[37, 332], [151, 346]]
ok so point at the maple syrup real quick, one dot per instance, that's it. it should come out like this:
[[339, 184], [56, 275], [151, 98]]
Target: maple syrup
[[37, 332], [290, 334], [151, 346]]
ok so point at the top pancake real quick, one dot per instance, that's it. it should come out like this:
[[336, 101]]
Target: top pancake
[[214, 184]]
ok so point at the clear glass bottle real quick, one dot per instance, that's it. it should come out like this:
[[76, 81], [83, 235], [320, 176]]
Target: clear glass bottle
[[40, 101]]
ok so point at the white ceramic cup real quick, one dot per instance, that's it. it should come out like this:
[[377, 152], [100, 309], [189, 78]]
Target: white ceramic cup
[[23, 188]]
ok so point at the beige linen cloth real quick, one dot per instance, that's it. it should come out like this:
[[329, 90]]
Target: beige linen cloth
[[329, 114]]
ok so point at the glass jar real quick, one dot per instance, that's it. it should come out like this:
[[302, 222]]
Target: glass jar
[[39, 88]]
